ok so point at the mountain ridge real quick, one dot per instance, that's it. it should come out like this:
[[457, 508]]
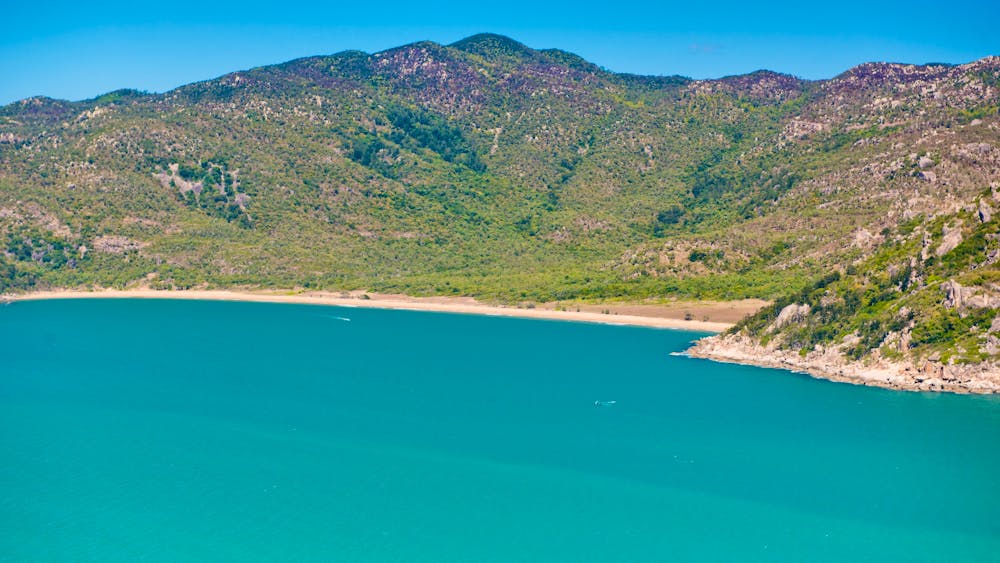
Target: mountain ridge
[[480, 40]]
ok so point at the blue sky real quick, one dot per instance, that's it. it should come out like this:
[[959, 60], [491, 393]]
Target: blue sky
[[77, 50]]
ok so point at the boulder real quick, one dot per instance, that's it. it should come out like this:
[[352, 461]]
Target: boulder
[[985, 212], [953, 298], [793, 313], [952, 238], [957, 297]]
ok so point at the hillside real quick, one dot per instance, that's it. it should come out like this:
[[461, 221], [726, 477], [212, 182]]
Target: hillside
[[921, 313], [490, 169]]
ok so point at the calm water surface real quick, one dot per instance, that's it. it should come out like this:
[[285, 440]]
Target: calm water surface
[[179, 430]]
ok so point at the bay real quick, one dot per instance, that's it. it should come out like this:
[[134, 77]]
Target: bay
[[190, 430]]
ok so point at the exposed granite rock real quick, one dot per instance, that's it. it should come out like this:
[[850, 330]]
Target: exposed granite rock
[[960, 297], [790, 314], [864, 239], [953, 298], [829, 363], [177, 181], [114, 244], [952, 237], [993, 337]]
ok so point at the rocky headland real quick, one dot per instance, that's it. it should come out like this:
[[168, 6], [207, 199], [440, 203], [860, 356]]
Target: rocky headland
[[831, 364]]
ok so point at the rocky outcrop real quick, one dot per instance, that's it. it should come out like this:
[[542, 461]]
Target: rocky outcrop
[[952, 237], [953, 294], [172, 178], [114, 244], [993, 337], [793, 313], [961, 297], [831, 364]]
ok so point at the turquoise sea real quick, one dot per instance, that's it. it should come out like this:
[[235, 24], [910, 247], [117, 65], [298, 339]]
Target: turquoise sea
[[207, 431]]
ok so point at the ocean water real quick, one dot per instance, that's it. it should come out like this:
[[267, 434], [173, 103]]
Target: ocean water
[[205, 431]]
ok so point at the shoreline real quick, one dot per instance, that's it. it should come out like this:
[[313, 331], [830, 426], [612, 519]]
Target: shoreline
[[460, 305], [982, 379], [718, 348]]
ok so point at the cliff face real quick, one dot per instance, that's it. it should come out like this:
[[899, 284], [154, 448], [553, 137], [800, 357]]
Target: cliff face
[[491, 169]]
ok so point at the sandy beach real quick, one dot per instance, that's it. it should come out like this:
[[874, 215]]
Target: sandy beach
[[705, 316]]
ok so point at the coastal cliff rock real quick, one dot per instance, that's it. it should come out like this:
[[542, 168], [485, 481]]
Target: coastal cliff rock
[[922, 313], [831, 364]]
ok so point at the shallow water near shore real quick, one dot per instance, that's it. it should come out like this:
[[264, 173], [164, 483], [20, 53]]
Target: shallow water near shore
[[190, 430]]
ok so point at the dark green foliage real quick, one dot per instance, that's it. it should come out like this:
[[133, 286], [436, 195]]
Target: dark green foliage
[[12, 278], [667, 218], [370, 151], [420, 129], [705, 255]]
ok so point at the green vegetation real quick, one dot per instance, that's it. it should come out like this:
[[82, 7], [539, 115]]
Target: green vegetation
[[898, 303], [490, 169]]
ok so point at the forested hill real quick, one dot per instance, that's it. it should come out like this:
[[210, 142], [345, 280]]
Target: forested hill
[[491, 169]]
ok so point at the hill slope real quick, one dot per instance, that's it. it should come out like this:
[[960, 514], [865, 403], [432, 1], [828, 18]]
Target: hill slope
[[921, 313], [491, 169]]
